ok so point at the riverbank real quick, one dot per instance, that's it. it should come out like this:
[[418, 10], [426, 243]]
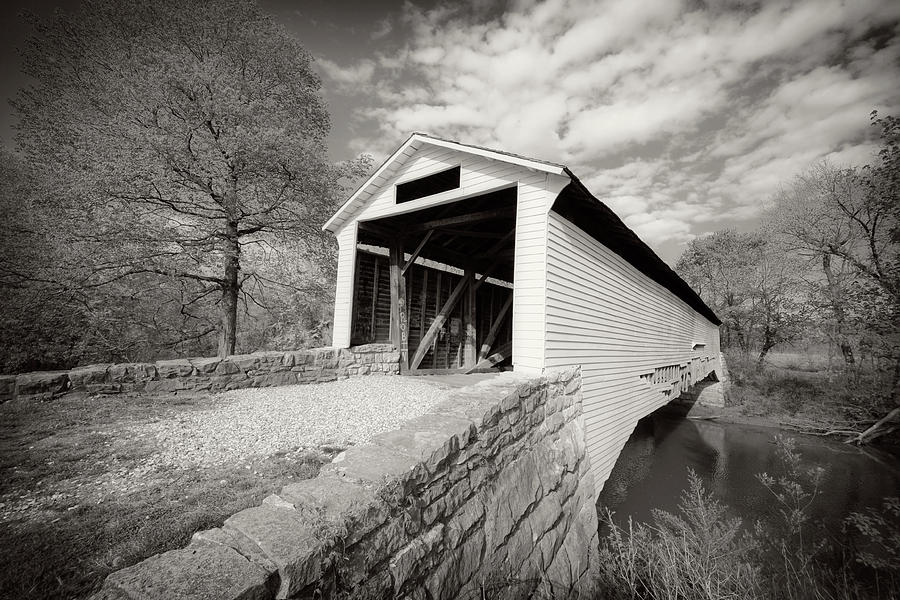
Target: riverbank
[[803, 393]]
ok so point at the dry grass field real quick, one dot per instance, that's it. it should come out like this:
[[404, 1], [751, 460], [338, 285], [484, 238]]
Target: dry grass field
[[80, 495]]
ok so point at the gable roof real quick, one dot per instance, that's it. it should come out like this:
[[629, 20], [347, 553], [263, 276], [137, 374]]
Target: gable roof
[[575, 203], [415, 141]]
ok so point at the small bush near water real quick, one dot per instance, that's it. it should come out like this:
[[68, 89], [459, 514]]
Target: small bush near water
[[703, 553]]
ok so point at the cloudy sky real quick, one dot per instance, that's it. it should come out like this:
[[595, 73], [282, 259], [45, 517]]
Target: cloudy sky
[[684, 117]]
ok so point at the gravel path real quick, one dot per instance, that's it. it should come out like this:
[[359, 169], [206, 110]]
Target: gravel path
[[262, 421]]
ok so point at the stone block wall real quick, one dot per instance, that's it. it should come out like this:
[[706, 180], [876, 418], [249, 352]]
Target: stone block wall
[[490, 495], [185, 375]]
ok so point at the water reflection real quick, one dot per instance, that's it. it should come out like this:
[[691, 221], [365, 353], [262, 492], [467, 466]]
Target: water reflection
[[652, 470]]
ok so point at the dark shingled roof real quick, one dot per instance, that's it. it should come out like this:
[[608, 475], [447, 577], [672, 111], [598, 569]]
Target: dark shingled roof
[[581, 208]]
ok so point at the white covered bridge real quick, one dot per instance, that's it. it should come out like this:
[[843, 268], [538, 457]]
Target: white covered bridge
[[468, 258]]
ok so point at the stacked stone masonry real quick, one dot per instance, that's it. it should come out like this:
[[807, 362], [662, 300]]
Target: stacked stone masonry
[[489, 495], [187, 375]]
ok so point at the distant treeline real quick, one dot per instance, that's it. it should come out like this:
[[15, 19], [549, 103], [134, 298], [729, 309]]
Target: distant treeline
[[824, 266]]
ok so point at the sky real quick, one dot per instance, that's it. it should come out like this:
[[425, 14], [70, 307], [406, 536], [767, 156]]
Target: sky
[[684, 117]]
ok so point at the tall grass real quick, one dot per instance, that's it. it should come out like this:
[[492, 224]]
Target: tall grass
[[703, 553]]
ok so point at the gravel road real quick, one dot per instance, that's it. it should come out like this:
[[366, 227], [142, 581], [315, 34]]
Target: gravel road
[[262, 421]]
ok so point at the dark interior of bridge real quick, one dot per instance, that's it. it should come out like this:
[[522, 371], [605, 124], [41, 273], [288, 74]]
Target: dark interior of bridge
[[440, 311]]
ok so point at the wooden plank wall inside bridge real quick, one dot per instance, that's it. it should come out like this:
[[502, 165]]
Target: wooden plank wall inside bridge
[[426, 291], [637, 343]]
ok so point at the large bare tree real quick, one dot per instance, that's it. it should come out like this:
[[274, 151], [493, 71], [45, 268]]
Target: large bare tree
[[175, 135], [816, 216]]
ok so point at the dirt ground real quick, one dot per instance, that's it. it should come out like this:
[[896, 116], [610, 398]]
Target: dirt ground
[[80, 496]]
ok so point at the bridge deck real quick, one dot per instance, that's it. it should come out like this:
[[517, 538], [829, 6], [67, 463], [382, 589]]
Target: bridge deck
[[459, 380]]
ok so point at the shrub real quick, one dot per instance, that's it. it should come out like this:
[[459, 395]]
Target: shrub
[[703, 553], [700, 553]]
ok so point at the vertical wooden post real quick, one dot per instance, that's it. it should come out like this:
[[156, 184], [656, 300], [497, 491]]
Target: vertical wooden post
[[372, 335], [469, 350], [399, 322], [437, 309], [422, 302]]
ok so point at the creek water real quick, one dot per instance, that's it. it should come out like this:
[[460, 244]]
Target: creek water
[[652, 471]]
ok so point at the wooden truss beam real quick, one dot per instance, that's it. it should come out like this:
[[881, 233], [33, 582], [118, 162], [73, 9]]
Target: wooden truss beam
[[495, 329], [416, 252], [485, 275], [497, 357], [382, 232], [503, 241], [439, 319], [476, 217], [470, 233]]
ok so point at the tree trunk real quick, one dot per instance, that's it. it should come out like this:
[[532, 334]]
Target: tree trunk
[[847, 352], [837, 307], [768, 344], [230, 288]]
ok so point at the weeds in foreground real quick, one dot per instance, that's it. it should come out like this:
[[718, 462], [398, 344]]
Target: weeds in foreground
[[702, 553]]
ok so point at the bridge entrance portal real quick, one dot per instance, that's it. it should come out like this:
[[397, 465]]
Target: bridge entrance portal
[[438, 283]]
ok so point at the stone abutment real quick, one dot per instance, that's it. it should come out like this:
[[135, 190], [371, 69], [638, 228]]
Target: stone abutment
[[488, 495]]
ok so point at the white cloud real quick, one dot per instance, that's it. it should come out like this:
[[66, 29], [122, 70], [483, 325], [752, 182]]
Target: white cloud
[[347, 77], [676, 115]]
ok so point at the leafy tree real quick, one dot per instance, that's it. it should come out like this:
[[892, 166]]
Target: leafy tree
[[750, 284], [175, 136], [719, 267]]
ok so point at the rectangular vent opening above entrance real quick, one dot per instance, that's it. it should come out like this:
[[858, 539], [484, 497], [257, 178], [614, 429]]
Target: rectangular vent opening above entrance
[[428, 186]]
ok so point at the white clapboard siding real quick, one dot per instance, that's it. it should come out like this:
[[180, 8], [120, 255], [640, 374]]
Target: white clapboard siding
[[536, 193], [536, 190], [343, 295], [618, 324], [477, 175]]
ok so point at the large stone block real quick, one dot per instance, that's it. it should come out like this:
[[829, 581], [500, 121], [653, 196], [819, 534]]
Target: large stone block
[[178, 367], [411, 561], [296, 358], [43, 383], [205, 365], [81, 377], [372, 348], [237, 541], [228, 366], [286, 541], [371, 463], [198, 572], [265, 379], [168, 386], [246, 362], [337, 500], [131, 372], [368, 554], [430, 438], [466, 519]]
